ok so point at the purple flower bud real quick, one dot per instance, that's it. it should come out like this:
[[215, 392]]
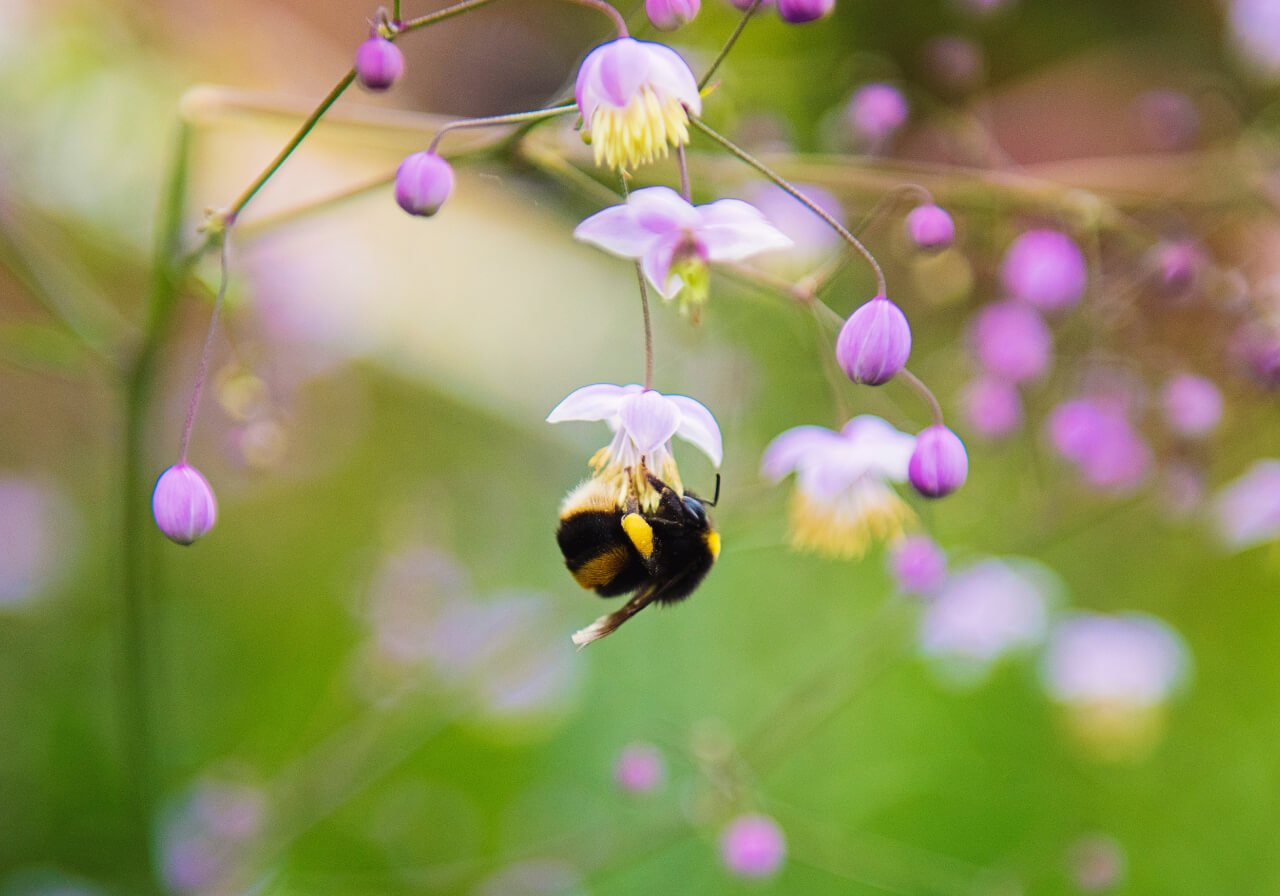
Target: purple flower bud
[[1192, 405], [918, 565], [955, 63], [379, 64], [640, 769], [1096, 435], [1044, 268], [668, 15], [874, 342], [876, 111], [939, 465], [423, 182], [183, 504], [929, 227], [992, 407], [1256, 346], [1179, 265], [1012, 341], [753, 846], [799, 11]]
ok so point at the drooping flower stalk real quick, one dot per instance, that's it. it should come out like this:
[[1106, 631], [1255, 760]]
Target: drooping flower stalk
[[202, 371], [728, 44], [497, 120]]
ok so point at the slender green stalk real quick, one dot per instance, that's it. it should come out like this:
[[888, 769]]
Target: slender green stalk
[[395, 13], [935, 408], [440, 15], [619, 23], [644, 308], [728, 44], [682, 162], [496, 120], [790, 188]]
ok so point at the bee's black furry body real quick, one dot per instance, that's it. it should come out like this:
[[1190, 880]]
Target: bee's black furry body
[[613, 551]]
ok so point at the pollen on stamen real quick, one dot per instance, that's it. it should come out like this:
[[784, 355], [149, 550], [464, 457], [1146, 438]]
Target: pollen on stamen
[[640, 133], [846, 532]]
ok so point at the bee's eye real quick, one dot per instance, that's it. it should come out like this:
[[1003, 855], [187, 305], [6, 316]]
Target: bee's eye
[[694, 506]]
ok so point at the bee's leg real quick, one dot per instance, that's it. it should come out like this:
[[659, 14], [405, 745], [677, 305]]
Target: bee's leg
[[667, 495], [633, 499]]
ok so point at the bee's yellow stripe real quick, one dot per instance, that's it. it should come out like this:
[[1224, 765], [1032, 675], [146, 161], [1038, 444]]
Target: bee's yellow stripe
[[640, 533], [601, 569], [712, 540]]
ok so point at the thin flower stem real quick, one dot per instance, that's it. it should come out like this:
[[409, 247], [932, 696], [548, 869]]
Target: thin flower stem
[[440, 15], [496, 120], [203, 371], [682, 161], [644, 308], [619, 23], [307, 126], [786, 185], [395, 13], [728, 45], [926, 393]]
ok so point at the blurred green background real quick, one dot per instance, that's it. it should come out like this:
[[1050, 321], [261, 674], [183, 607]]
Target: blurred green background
[[361, 681]]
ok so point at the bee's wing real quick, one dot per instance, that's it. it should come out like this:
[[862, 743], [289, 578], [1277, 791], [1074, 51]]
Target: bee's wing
[[608, 624]]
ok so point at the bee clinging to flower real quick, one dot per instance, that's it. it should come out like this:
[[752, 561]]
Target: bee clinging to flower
[[631, 526]]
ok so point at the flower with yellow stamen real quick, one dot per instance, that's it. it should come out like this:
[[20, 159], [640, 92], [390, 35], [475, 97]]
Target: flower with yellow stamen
[[842, 501], [635, 98]]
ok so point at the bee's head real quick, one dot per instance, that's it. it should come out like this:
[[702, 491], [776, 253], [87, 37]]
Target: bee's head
[[696, 511]]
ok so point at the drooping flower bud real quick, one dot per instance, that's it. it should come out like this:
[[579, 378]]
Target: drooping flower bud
[[930, 227], [1044, 268], [874, 342], [423, 182], [799, 11], [939, 465], [875, 112], [183, 504], [668, 15], [993, 407], [379, 64], [1011, 341], [753, 846], [640, 769]]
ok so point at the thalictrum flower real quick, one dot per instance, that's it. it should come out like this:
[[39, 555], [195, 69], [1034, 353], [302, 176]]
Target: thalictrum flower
[[874, 343], [939, 465], [1044, 268], [918, 565], [1192, 405], [1247, 510], [993, 407], [183, 504], [379, 64], [424, 181], [668, 15], [875, 113], [674, 241], [1095, 434], [842, 501], [930, 227], [1011, 341], [798, 12], [643, 423], [640, 768], [753, 846], [635, 98]]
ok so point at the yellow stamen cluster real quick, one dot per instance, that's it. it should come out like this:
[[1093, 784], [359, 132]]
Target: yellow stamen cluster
[[626, 481], [639, 133], [845, 530]]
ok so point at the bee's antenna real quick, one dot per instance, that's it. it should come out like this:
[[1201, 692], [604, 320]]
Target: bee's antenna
[[716, 500]]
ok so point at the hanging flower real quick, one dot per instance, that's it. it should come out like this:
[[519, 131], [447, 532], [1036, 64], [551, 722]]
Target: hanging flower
[[643, 422], [842, 501], [635, 98], [674, 241]]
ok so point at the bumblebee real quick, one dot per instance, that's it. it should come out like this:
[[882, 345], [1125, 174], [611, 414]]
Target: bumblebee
[[662, 556]]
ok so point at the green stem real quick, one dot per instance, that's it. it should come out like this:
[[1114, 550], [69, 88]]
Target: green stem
[[496, 120], [440, 15], [619, 23], [935, 408], [728, 45], [790, 188], [170, 271]]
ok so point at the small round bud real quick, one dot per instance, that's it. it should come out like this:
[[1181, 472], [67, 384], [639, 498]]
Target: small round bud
[[1044, 268], [423, 182], [930, 227], [874, 342], [918, 565], [379, 64], [875, 112], [1011, 341], [800, 11], [668, 15], [993, 407], [939, 465], [1192, 405], [753, 846], [640, 769], [183, 504]]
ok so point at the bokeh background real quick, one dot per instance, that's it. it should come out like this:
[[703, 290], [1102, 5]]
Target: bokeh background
[[361, 681]]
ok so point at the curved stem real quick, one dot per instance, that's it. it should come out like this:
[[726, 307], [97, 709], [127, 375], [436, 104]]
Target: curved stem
[[203, 371], [728, 44], [935, 408], [682, 162], [495, 120], [786, 185], [648, 327], [619, 23], [439, 16]]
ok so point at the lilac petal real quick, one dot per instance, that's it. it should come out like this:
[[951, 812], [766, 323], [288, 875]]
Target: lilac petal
[[797, 448], [699, 428], [657, 262], [650, 419], [600, 401], [879, 447], [732, 230], [663, 211], [670, 74], [616, 230]]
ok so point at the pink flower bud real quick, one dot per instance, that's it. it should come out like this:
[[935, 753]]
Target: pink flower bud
[[668, 15], [874, 342], [640, 769], [1011, 341], [939, 465], [929, 227], [423, 182], [876, 111], [799, 11], [918, 565], [753, 846], [1192, 405], [379, 64], [992, 407], [183, 504], [1044, 268]]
